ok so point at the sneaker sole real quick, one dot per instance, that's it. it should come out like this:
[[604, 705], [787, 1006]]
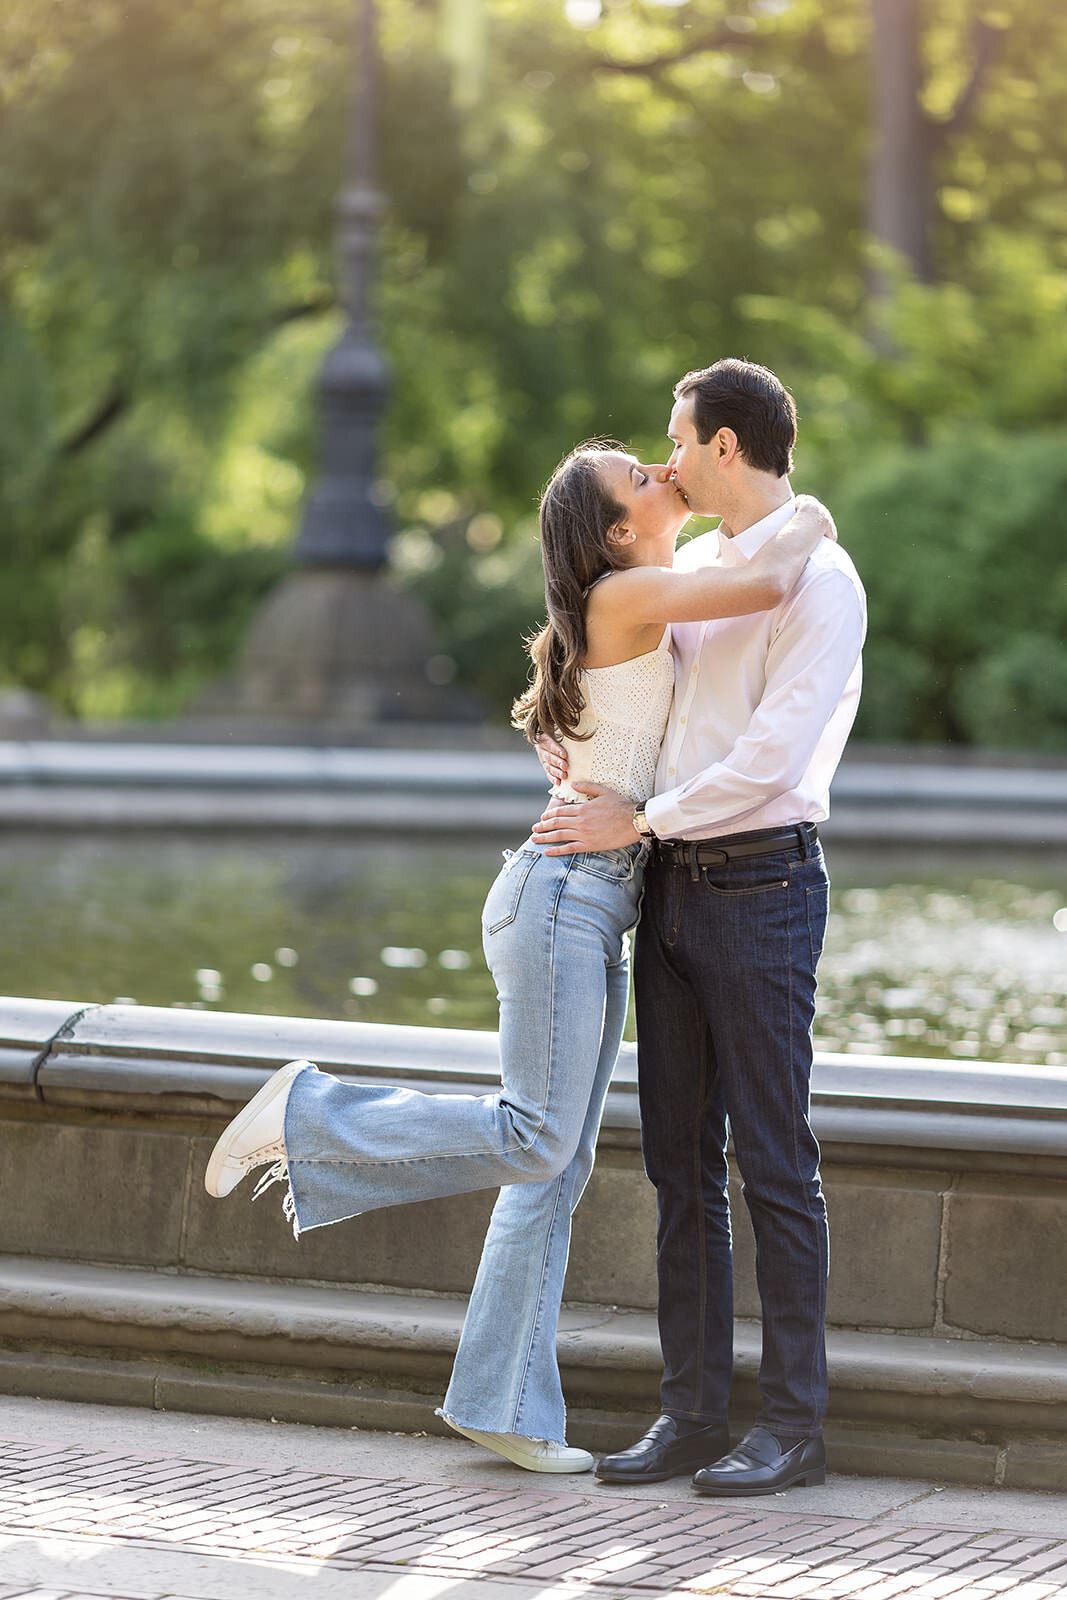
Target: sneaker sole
[[515, 1454], [276, 1084]]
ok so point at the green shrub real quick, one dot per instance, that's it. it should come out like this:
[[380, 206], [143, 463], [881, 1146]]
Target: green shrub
[[962, 549], [1018, 696]]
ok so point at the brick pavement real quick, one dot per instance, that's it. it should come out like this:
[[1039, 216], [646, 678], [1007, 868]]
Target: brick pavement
[[605, 1547]]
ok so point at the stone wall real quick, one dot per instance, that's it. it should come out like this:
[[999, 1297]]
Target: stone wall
[[946, 1183]]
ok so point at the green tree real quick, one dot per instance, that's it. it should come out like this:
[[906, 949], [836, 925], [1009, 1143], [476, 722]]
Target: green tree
[[623, 202], [160, 210], [962, 548]]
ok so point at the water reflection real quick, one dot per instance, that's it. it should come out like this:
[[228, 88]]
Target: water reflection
[[922, 957], [913, 968]]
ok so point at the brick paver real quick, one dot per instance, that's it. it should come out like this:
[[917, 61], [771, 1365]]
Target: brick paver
[[611, 1547]]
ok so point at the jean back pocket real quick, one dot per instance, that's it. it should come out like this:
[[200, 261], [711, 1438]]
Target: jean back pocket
[[616, 865], [502, 901]]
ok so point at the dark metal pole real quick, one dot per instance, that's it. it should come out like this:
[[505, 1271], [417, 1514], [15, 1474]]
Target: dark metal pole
[[337, 643], [342, 526]]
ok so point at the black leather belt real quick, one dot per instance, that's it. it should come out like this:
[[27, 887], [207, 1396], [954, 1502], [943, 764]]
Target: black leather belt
[[714, 852]]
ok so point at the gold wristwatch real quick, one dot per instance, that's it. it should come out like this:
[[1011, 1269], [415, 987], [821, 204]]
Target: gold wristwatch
[[641, 823]]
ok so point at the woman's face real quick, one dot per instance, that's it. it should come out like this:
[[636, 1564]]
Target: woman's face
[[655, 510]]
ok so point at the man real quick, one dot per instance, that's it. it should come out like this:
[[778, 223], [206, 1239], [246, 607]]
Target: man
[[732, 927]]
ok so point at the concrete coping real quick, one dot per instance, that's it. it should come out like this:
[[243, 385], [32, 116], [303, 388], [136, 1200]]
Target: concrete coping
[[175, 1061], [48, 761], [27, 1027], [81, 786], [59, 762]]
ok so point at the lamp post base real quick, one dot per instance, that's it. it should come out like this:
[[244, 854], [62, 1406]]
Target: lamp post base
[[341, 645]]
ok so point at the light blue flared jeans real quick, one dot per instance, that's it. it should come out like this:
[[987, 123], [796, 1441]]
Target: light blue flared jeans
[[554, 929]]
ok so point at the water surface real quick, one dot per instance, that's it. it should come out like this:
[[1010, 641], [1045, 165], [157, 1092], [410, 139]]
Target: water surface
[[926, 955]]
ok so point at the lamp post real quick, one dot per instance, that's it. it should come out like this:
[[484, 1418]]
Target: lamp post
[[337, 641], [343, 526]]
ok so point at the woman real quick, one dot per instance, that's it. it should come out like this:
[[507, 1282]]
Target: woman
[[555, 937]]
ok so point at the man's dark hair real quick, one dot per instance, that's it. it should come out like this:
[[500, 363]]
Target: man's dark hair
[[749, 399]]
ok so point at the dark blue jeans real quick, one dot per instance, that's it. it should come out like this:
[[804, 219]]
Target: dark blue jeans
[[724, 974]]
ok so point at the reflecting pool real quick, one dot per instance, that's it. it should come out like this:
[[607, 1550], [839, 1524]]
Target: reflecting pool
[[926, 955]]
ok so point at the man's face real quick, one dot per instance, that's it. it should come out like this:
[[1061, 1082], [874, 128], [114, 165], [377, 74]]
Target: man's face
[[694, 465]]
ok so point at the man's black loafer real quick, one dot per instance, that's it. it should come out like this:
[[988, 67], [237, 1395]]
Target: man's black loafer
[[760, 1465], [664, 1452]]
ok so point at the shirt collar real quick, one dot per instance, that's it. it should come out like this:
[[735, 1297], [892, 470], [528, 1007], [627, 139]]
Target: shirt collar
[[743, 546]]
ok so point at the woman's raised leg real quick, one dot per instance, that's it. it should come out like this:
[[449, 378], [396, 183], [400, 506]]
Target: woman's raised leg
[[551, 925]]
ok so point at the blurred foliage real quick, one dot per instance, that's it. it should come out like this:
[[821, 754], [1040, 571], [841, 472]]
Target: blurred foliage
[[948, 478], [962, 544], [163, 218], [628, 199]]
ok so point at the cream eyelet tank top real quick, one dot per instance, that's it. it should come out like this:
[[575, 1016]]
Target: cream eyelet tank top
[[626, 710]]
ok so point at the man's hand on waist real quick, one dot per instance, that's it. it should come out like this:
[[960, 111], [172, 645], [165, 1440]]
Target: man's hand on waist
[[604, 822]]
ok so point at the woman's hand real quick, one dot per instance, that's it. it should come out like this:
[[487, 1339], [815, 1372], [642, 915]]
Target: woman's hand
[[552, 757], [778, 563], [815, 515]]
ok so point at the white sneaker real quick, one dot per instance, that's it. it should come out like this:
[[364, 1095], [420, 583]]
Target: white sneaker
[[536, 1455], [255, 1135]]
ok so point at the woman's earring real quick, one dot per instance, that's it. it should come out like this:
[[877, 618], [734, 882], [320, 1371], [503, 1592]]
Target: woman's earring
[[622, 536]]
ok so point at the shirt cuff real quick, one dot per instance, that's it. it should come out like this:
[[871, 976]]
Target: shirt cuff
[[662, 816]]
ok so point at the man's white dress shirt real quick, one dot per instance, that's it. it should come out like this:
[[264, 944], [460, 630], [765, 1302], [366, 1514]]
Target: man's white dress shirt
[[763, 704]]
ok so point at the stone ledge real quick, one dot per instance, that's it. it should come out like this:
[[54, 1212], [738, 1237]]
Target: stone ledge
[[83, 808], [174, 1062], [202, 778], [188, 763], [321, 1346]]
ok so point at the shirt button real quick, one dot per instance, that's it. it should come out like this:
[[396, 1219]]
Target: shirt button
[[681, 719], [696, 669], [670, 772]]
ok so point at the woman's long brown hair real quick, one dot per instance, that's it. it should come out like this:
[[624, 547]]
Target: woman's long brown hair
[[577, 514]]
